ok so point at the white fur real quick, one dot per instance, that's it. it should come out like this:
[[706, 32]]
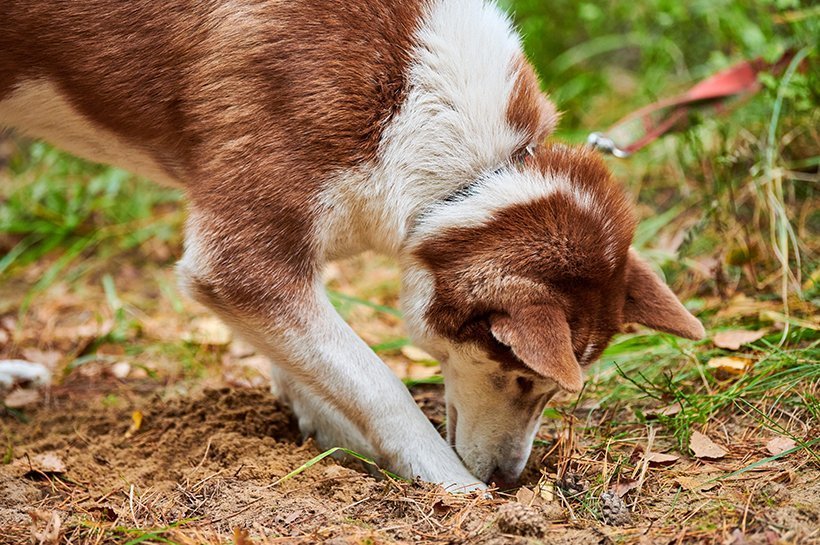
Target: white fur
[[492, 435], [500, 190], [12, 371], [450, 130], [39, 109]]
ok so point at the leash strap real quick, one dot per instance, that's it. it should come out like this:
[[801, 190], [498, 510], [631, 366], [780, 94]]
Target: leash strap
[[644, 126]]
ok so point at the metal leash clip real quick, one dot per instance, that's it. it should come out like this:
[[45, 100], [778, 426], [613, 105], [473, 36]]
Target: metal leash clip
[[642, 127], [602, 142]]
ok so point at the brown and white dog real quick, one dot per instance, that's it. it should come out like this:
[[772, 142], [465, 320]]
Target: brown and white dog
[[308, 130]]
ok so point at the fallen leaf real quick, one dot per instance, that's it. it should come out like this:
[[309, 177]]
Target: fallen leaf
[[623, 487], [779, 445], [414, 353], [241, 537], [45, 527], [209, 331], [735, 338], [47, 462], [703, 447], [546, 490], [699, 483], [659, 458], [528, 497], [121, 369], [21, 398], [730, 365], [49, 358], [669, 410], [136, 424]]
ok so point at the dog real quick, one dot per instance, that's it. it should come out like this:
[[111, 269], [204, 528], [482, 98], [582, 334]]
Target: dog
[[307, 131]]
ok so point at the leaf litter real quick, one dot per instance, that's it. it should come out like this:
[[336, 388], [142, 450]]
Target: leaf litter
[[703, 447]]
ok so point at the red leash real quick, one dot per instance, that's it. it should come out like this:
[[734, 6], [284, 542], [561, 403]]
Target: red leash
[[644, 126]]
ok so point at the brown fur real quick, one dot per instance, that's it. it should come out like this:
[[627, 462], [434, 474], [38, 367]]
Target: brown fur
[[650, 302], [529, 110], [549, 253], [249, 103]]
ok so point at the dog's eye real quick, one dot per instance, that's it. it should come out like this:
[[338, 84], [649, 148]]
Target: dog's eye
[[521, 155]]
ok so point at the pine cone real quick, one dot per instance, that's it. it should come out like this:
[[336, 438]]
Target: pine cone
[[572, 485], [614, 510], [522, 520]]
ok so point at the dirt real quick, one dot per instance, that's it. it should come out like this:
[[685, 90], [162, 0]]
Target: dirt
[[213, 459], [206, 467]]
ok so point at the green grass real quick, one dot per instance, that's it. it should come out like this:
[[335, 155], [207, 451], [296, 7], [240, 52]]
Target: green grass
[[62, 207]]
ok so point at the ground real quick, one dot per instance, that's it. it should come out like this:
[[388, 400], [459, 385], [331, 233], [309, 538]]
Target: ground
[[161, 428], [158, 426]]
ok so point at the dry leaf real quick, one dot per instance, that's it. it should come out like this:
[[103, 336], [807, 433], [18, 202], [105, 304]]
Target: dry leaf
[[21, 398], [47, 462], [414, 353], [730, 365], [703, 447], [49, 358], [700, 483], [136, 424], [121, 369], [659, 458], [85, 331], [209, 331], [546, 490], [735, 338], [669, 410], [779, 445], [45, 527], [528, 497], [623, 487]]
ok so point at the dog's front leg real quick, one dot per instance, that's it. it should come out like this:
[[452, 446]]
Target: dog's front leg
[[341, 391]]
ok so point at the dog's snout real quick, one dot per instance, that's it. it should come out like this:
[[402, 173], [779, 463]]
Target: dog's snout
[[503, 480]]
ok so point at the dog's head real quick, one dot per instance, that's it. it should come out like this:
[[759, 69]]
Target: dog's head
[[516, 284]]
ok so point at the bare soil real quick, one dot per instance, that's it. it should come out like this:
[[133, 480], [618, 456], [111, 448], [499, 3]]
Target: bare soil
[[202, 467]]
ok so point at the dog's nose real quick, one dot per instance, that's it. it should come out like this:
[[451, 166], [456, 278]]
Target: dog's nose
[[502, 479]]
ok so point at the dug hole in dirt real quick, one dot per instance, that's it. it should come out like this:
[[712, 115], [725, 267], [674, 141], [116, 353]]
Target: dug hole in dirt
[[113, 462], [204, 468]]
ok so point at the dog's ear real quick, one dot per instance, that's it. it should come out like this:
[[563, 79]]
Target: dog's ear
[[539, 336], [650, 302]]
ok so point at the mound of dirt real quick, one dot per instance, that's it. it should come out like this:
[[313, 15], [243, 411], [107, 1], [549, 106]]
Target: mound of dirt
[[115, 463], [206, 465]]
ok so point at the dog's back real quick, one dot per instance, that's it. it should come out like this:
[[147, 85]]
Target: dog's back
[[172, 89]]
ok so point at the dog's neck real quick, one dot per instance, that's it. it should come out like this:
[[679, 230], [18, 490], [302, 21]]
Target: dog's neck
[[467, 111]]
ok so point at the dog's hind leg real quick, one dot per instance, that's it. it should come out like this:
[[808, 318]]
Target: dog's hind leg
[[346, 395]]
